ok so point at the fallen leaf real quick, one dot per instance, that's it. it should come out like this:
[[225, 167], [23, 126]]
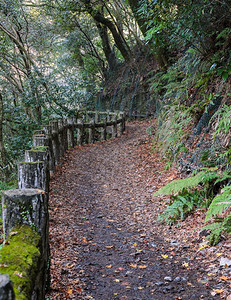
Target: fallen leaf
[[185, 265], [69, 292], [143, 235], [164, 256], [225, 278], [117, 280], [142, 267], [203, 246], [109, 266], [84, 240], [218, 254], [109, 247], [218, 291], [133, 265]]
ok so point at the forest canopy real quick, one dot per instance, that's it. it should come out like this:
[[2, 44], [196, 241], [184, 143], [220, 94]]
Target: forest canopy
[[58, 56]]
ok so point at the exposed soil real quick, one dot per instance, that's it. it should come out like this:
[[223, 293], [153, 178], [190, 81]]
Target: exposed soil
[[105, 240]]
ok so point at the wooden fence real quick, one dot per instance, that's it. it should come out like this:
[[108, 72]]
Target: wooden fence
[[28, 205]]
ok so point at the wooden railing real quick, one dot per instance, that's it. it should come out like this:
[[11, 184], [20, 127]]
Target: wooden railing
[[28, 205]]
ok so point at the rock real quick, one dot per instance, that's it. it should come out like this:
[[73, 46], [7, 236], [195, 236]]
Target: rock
[[100, 216], [168, 288], [174, 243], [6, 288], [184, 279], [225, 262], [203, 244], [228, 297], [168, 278], [159, 283], [177, 279], [204, 233]]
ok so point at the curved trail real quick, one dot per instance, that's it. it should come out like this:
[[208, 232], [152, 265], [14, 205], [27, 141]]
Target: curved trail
[[105, 242]]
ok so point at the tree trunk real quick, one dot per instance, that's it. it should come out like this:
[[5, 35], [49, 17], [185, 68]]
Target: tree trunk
[[3, 159], [109, 53], [135, 5], [99, 17]]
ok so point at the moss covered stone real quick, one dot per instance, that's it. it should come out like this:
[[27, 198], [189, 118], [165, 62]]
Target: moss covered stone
[[40, 148], [19, 258]]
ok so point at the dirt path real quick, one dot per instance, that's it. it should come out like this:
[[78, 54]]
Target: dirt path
[[105, 241]]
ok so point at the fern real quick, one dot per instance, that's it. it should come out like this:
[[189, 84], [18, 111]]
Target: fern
[[177, 210], [216, 228], [179, 185], [219, 204], [208, 174], [181, 206]]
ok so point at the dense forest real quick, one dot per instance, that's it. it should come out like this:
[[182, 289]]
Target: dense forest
[[167, 58]]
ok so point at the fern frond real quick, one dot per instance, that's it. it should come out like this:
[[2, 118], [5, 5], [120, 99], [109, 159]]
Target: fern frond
[[216, 230], [223, 177], [219, 204], [179, 185]]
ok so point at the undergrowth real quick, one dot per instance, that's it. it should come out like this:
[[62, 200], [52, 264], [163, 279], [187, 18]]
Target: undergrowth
[[181, 205], [189, 197]]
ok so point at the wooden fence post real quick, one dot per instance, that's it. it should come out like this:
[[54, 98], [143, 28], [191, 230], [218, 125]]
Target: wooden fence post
[[48, 132], [91, 130], [6, 288], [70, 133], [61, 137], [74, 130], [123, 121], [65, 138], [55, 141], [114, 126], [40, 140], [33, 175], [109, 128], [104, 130], [120, 124], [36, 155], [80, 130], [29, 207]]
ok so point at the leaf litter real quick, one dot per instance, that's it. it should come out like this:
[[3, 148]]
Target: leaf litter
[[105, 240]]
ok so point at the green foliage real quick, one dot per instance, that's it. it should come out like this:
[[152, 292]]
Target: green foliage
[[186, 201], [220, 203], [219, 226], [181, 205], [182, 184], [223, 122]]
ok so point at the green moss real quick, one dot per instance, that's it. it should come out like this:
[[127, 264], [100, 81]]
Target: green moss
[[19, 258], [39, 148], [31, 162]]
